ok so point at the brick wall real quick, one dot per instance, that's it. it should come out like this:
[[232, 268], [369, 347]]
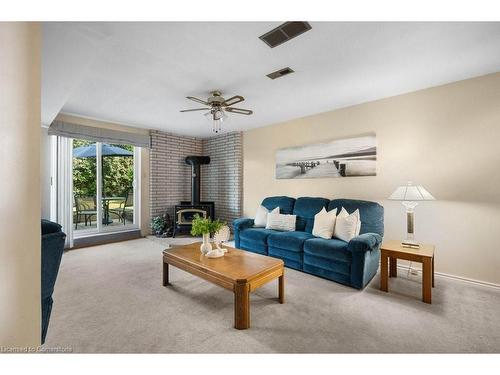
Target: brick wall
[[170, 176], [221, 180]]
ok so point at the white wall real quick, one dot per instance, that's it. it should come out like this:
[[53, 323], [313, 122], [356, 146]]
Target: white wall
[[445, 138], [19, 189]]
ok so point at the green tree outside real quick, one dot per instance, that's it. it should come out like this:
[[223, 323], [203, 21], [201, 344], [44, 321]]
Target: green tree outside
[[118, 173]]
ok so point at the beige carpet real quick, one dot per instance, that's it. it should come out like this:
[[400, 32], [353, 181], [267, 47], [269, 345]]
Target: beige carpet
[[110, 299]]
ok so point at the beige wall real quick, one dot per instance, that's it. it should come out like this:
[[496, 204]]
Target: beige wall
[[145, 224], [445, 138], [19, 193], [45, 172]]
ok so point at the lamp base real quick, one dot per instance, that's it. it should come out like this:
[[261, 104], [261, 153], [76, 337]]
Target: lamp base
[[410, 243], [410, 223]]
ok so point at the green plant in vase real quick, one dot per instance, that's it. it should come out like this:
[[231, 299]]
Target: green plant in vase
[[205, 227]]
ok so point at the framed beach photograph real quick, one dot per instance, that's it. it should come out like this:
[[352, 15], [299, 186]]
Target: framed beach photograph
[[348, 157]]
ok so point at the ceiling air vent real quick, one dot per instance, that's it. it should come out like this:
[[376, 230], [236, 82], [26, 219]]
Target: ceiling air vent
[[280, 73], [285, 32]]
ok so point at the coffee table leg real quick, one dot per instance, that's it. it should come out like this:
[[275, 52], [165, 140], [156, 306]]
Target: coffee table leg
[[242, 306], [384, 272], [281, 288], [165, 274], [427, 280]]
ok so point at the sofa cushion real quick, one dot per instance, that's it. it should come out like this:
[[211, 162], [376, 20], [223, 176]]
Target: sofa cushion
[[347, 226], [284, 203], [371, 213], [254, 240], [292, 259], [305, 208], [281, 222], [260, 220], [292, 241], [331, 255], [276, 252], [332, 249], [324, 223], [257, 235]]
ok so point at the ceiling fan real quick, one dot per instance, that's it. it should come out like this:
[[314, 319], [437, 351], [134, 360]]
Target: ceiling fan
[[217, 108]]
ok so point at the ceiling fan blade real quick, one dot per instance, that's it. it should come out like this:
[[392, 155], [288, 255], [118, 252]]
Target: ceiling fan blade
[[235, 99], [196, 109], [239, 111], [197, 100]]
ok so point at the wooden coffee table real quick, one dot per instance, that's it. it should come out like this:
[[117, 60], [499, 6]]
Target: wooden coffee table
[[239, 271]]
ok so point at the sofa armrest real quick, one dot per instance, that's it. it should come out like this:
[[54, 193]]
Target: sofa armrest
[[238, 226], [365, 258], [365, 242], [242, 223]]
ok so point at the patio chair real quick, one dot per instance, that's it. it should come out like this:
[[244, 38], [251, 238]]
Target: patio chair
[[126, 208], [86, 207]]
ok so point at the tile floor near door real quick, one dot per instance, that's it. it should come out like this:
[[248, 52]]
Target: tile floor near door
[[110, 299]]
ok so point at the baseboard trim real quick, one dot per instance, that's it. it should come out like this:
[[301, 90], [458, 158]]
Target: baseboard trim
[[453, 277]]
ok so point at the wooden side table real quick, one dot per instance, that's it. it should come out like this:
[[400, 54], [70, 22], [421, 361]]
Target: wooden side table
[[391, 251]]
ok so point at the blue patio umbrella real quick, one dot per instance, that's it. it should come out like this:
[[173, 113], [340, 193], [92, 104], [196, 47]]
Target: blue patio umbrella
[[107, 150]]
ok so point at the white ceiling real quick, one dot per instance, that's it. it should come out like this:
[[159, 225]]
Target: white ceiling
[[140, 73]]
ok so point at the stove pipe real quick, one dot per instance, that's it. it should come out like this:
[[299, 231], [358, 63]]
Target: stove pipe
[[195, 162]]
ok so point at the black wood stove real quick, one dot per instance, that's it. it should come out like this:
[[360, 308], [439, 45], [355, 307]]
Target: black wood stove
[[185, 211]]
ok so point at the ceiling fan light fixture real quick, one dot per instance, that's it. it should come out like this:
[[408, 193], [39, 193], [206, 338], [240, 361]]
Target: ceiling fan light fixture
[[219, 114], [217, 108]]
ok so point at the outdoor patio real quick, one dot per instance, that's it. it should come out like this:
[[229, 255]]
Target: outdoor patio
[[117, 212]]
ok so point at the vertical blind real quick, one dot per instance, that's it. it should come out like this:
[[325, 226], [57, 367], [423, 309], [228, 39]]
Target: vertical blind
[[65, 187]]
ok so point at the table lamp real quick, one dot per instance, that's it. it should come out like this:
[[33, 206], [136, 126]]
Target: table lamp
[[410, 195]]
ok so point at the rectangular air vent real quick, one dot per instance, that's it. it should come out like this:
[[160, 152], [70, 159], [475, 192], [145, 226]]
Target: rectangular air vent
[[283, 33], [280, 73]]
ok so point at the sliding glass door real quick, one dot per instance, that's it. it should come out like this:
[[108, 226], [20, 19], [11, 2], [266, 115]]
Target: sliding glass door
[[84, 187], [104, 187]]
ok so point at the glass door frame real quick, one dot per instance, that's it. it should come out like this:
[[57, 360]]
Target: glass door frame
[[136, 183]]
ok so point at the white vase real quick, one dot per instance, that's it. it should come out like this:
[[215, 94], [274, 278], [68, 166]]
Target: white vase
[[206, 246]]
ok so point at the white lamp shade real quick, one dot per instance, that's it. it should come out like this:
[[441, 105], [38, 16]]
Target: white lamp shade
[[411, 192]]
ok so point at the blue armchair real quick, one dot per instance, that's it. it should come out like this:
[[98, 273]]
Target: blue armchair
[[52, 249]]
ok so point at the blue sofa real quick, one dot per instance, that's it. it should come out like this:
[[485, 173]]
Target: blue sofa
[[352, 263]]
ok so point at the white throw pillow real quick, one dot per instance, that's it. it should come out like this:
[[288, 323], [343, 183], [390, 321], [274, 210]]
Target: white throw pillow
[[261, 216], [324, 223], [347, 226], [281, 222]]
